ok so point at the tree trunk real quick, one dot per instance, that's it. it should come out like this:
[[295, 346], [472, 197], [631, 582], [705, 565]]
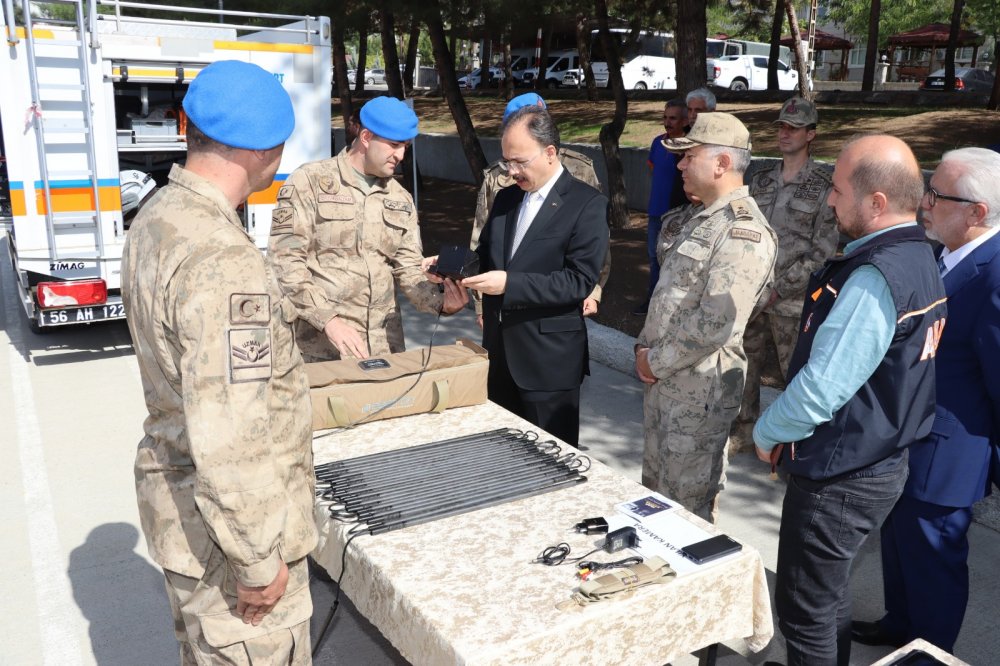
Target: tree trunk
[[800, 56], [583, 48], [359, 75], [611, 132], [507, 89], [410, 75], [340, 72], [543, 60], [772, 63], [449, 86], [949, 56], [871, 56], [390, 57], [691, 33]]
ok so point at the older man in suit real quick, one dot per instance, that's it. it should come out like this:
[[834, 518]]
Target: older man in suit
[[541, 252], [924, 542]]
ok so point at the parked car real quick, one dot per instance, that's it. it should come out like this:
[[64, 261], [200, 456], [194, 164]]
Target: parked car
[[559, 63], [352, 76], [966, 80], [748, 72], [474, 79], [574, 78], [373, 76]]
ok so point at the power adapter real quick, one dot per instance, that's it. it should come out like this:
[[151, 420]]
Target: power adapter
[[621, 539], [592, 526]]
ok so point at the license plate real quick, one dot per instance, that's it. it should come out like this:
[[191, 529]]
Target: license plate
[[82, 315]]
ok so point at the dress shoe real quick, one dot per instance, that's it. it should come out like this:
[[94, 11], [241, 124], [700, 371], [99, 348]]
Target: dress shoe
[[872, 633]]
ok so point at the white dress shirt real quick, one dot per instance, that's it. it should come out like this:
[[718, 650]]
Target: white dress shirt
[[530, 205]]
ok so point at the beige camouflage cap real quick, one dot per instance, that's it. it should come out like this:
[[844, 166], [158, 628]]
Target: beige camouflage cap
[[717, 129], [798, 112]]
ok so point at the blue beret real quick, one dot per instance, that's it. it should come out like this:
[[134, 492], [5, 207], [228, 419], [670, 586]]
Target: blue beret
[[240, 105], [389, 118], [527, 99]]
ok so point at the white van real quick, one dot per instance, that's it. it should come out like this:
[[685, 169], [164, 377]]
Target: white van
[[560, 62], [648, 64]]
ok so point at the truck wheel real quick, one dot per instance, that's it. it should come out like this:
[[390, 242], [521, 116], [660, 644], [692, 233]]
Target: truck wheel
[[370, 82], [551, 84], [640, 86], [738, 84]]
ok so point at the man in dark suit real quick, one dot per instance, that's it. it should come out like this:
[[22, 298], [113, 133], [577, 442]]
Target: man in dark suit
[[924, 542], [540, 254]]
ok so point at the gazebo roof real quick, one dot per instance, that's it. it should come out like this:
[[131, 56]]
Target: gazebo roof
[[932, 35], [824, 41]]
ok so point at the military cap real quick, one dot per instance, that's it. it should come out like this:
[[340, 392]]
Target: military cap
[[240, 105], [389, 118], [717, 129], [521, 101], [798, 112]]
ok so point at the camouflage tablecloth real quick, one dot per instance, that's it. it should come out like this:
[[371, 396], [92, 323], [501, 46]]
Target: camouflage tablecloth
[[464, 590]]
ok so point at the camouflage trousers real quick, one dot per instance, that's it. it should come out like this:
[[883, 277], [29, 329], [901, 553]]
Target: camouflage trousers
[[768, 342], [685, 450], [211, 634]]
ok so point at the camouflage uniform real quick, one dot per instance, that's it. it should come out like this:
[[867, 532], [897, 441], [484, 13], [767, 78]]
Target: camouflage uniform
[[807, 236], [339, 247], [495, 179], [224, 474], [717, 262]]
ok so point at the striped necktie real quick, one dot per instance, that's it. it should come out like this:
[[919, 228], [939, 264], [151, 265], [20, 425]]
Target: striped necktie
[[527, 214], [942, 269]]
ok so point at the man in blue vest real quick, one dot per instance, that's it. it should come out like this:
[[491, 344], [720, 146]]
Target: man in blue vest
[[925, 544], [860, 391]]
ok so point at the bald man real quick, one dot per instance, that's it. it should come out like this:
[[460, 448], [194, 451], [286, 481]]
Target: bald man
[[860, 391]]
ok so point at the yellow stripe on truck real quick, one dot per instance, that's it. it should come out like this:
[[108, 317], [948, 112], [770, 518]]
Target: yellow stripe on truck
[[73, 199], [263, 46], [37, 33]]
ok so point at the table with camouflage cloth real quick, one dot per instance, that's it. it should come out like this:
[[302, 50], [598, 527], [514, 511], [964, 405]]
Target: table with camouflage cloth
[[463, 590]]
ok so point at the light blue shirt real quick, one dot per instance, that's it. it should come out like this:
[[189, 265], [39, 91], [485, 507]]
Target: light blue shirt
[[847, 348]]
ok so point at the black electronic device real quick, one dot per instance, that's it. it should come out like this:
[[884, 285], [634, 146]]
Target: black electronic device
[[711, 549], [592, 526], [621, 539], [373, 364], [456, 262]]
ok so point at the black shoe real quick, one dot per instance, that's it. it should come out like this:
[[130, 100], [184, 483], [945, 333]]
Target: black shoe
[[641, 309], [872, 633]]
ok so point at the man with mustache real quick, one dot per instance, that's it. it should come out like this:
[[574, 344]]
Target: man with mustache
[[344, 235]]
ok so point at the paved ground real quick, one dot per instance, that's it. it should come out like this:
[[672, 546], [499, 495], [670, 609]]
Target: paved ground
[[80, 588]]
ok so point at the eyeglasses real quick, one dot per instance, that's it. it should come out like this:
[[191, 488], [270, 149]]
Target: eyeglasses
[[517, 165], [933, 195]]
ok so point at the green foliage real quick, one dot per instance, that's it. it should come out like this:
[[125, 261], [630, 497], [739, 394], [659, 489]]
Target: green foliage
[[745, 19], [897, 16]]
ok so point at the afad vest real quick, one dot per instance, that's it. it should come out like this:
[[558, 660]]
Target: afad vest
[[895, 407]]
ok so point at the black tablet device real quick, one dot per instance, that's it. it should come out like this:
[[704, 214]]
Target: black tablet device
[[711, 549]]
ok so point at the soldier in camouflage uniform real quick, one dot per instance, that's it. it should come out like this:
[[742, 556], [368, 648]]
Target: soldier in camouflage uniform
[[717, 259], [344, 234], [495, 179], [792, 195], [224, 474]]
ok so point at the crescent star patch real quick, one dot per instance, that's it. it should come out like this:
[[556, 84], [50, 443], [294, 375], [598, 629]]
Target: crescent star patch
[[249, 340]]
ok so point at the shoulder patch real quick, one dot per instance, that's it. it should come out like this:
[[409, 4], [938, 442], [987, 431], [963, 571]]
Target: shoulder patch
[[344, 198], [286, 191], [249, 309], [398, 205], [814, 187], [249, 354], [741, 209], [281, 219], [745, 234]]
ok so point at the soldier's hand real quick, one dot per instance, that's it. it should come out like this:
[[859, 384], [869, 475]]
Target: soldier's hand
[[253, 603], [642, 366], [425, 266], [589, 306], [479, 321], [455, 297], [493, 283], [347, 341]]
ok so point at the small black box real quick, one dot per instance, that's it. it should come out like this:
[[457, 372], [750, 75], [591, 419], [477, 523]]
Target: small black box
[[456, 262]]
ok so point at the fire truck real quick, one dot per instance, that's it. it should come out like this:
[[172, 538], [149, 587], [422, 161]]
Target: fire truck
[[92, 121]]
